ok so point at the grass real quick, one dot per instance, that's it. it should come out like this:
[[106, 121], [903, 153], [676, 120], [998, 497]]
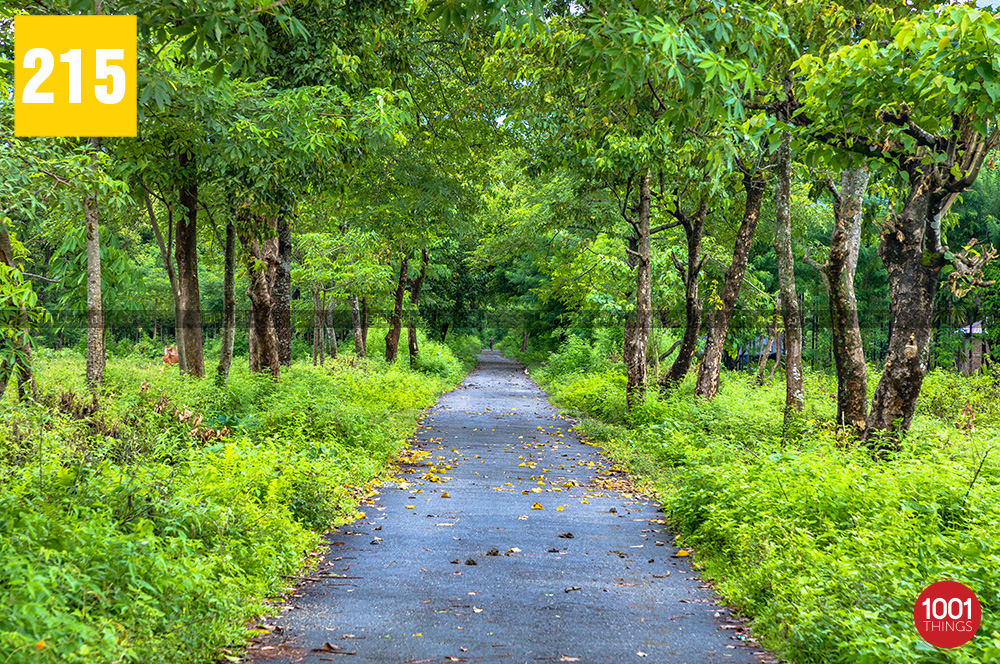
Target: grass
[[826, 549], [151, 524]]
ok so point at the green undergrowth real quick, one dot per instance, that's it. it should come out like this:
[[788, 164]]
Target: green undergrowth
[[825, 548], [151, 524]]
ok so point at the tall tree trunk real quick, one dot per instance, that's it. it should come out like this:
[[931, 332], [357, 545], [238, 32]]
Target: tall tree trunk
[[359, 343], [396, 319], [524, 340], [364, 326], [444, 331], [718, 322], [779, 345], [168, 265], [331, 331], [228, 305], [771, 339], [693, 231], [95, 302], [319, 327], [912, 286], [262, 265], [282, 311], [791, 319], [186, 251], [838, 277], [637, 325], [411, 329]]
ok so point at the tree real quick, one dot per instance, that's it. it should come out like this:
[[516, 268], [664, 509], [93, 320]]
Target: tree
[[936, 110], [622, 81], [838, 278], [790, 313], [750, 167], [20, 316]]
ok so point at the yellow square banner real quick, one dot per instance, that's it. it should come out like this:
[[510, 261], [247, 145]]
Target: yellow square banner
[[75, 76]]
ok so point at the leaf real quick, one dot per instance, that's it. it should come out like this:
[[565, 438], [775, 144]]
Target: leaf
[[683, 553], [220, 71], [537, 506], [188, 44]]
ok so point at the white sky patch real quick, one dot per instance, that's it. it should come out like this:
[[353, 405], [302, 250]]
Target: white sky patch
[[988, 4]]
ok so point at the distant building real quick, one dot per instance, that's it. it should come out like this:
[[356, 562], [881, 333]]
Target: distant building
[[749, 357], [975, 349]]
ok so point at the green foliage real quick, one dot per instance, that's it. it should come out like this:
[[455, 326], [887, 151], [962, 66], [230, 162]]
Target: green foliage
[[436, 358], [465, 346], [143, 532], [823, 547], [19, 315]]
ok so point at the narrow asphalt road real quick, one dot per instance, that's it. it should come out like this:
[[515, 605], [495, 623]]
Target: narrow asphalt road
[[505, 539]]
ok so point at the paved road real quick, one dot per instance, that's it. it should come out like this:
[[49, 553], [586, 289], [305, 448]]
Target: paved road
[[504, 541]]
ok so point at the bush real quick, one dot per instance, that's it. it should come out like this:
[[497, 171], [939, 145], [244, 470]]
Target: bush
[[465, 347], [539, 348], [574, 356], [437, 358], [123, 348], [147, 349], [823, 547], [140, 531], [301, 348]]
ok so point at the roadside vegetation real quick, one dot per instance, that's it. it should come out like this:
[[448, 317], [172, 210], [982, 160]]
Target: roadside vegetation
[[151, 520], [637, 195], [822, 546]]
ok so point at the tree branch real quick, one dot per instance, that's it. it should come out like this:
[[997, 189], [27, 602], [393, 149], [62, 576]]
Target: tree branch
[[663, 227], [923, 137]]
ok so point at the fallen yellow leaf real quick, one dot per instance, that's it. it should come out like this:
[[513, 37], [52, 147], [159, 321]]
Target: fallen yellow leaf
[[683, 553], [537, 506], [560, 508]]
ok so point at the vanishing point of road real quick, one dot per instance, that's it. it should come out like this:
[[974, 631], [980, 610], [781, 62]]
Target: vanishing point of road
[[505, 539]]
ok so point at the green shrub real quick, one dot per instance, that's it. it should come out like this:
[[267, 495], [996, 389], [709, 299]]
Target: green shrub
[[465, 346], [128, 534], [147, 349], [122, 348], [574, 356], [437, 358], [301, 348], [823, 547]]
